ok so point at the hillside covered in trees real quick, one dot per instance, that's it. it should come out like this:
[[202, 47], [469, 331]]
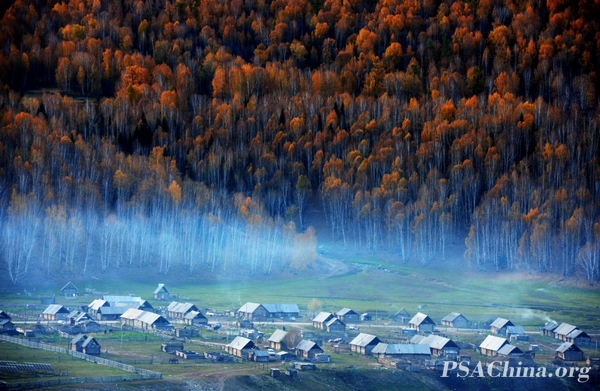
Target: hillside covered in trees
[[195, 135]]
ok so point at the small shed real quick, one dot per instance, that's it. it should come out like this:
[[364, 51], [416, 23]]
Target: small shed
[[259, 356], [307, 349], [514, 330], [284, 356], [161, 293], [455, 319], [568, 351], [274, 372], [364, 343], [422, 323], [55, 312], [171, 347], [91, 346], [366, 317], [195, 318], [499, 326], [70, 290], [277, 340], [245, 324], [347, 315]]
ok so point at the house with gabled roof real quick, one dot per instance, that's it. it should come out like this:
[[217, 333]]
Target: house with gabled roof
[[509, 350], [569, 333], [364, 343], [6, 325], [347, 315], [70, 290], [84, 344], [440, 346], [240, 346], [55, 312], [277, 340], [491, 345], [177, 310], [402, 316], [456, 320], [568, 351], [499, 326], [195, 318], [549, 328], [145, 320], [161, 293], [422, 323], [335, 325], [265, 311], [307, 349], [321, 318]]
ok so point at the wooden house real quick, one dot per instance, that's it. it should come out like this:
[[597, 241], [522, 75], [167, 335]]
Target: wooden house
[[569, 352], [549, 328], [6, 325], [129, 302], [55, 312], [491, 345], [364, 343], [401, 351], [4, 315], [264, 311], [321, 318], [307, 349], [70, 290], [569, 333], [456, 320], [277, 340], [335, 325], [499, 326], [240, 346], [110, 313], [514, 331], [94, 306], [161, 293], [402, 316], [195, 318], [259, 355], [440, 346], [177, 310], [509, 350], [347, 315], [145, 320], [422, 323], [84, 344]]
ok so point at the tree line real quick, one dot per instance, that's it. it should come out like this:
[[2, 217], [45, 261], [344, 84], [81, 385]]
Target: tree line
[[409, 124]]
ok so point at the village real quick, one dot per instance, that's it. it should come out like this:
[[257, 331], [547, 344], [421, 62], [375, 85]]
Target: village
[[282, 340]]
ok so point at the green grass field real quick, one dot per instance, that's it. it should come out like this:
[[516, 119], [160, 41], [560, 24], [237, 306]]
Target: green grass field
[[62, 363], [372, 285]]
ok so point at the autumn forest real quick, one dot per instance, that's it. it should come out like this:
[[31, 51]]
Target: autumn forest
[[206, 136]]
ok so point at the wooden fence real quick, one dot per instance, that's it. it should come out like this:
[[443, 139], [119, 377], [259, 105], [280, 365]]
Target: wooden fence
[[144, 373], [72, 380]]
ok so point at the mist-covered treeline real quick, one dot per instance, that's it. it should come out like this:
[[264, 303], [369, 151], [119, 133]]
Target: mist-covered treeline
[[194, 237], [411, 125]]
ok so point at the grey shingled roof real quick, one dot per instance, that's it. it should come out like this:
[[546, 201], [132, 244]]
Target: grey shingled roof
[[550, 326], [451, 317], [501, 322], [120, 310], [4, 321], [323, 317], [194, 314], [493, 343], [96, 304], [88, 341], [143, 316], [161, 287], [306, 345], [364, 339], [78, 338], [417, 339], [437, 342], [240, 343], [67, 286], [54, 309], [421, 318], [122, 299], [577, 333], [564, 329], [346, 311], [509, 349], [289, 308], [277, 336], [384, 348], [567, 346], [332, 321], [515, 330], [181, 307]]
